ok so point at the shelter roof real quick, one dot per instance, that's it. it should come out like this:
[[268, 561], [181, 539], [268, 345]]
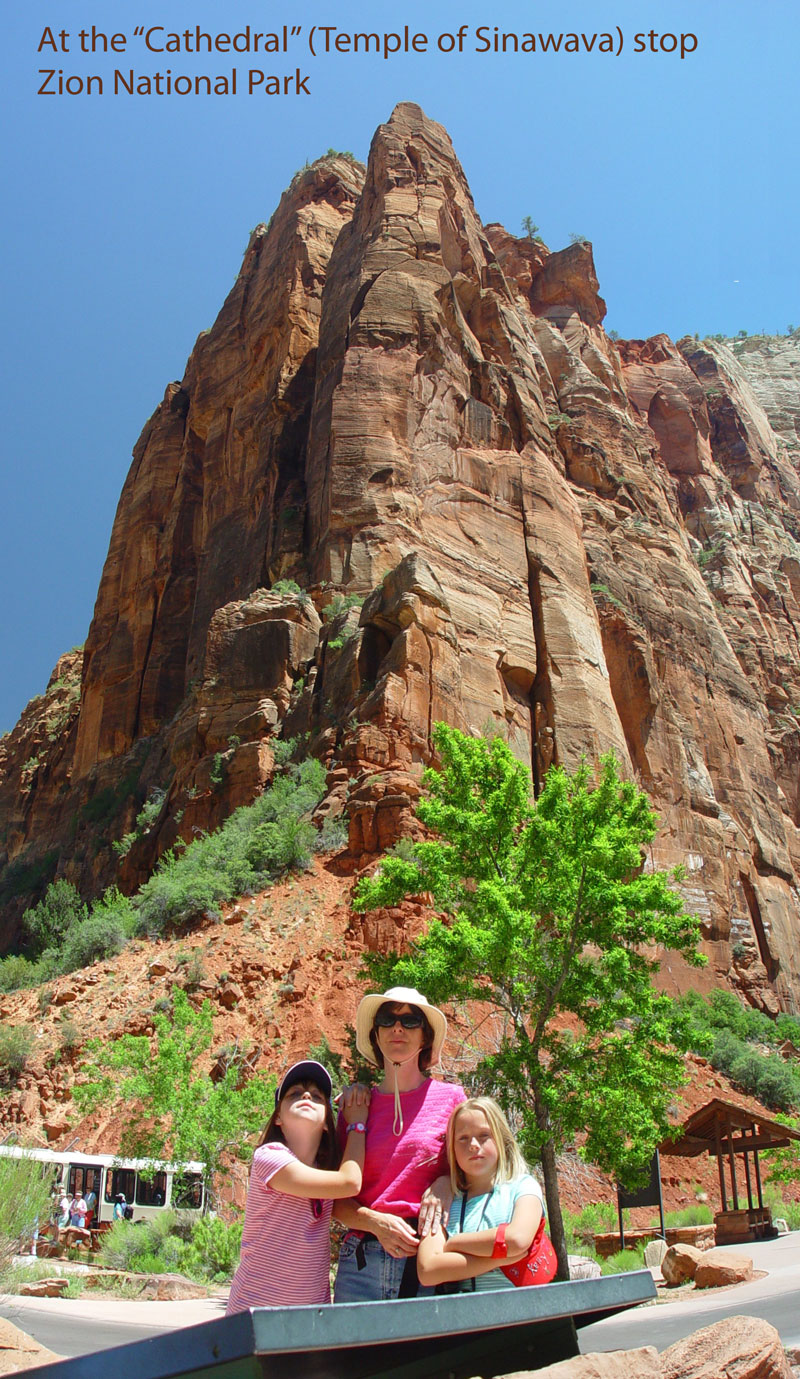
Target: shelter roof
[[717, 1121]]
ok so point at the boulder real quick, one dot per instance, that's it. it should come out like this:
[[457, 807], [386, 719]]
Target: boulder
[[44, 1288], [582, 1267], [719, 1267], [679, 1264], [654, 1252], [615, 1364], [737, 1348]]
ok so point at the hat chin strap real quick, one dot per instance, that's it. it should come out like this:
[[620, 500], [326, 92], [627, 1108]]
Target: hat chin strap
[[397, 1123]]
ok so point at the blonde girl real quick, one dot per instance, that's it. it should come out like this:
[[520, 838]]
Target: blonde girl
[[497, 1206], [295, 1177]]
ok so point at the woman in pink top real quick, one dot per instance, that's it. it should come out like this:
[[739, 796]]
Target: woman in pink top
[[285, 1258], [401, 1033]]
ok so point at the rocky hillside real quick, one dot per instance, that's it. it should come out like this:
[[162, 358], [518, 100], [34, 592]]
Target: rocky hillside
[[407, 477], [279, 971]]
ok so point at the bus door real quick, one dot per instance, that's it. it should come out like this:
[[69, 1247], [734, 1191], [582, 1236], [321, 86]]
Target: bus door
[[83, 1180]]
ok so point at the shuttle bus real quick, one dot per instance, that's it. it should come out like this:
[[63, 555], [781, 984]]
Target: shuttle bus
[[147, 1190]]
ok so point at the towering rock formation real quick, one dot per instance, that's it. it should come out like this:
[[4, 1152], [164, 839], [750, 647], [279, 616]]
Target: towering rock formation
[[408, 477]]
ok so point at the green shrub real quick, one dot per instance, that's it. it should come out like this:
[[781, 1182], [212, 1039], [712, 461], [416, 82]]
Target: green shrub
[[99, 936], [732, 1030], [593, 1219], [698, 1215], [341, 603], [149, 1246], [17, 972], [16, 1043], [333, 836], [49, 922], [623, 1261], [24, 1198], [213, 1251], [256, 843]]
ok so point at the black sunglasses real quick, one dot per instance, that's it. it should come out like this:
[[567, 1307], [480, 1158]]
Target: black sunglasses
[[386, 1019]]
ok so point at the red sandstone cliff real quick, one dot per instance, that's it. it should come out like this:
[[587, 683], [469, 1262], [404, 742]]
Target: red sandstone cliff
[[585, 545]]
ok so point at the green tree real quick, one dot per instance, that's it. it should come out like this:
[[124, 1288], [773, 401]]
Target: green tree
[[528, 226], [168, 1109], [783, 1165], [25, 1199], [59, 910], [553, 923]]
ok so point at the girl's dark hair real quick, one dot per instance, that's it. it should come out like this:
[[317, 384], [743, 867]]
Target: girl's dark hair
[[328, 1154], [425, 1053]]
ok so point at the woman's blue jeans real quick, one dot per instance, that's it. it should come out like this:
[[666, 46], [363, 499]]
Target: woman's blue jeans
[[378, 1281]]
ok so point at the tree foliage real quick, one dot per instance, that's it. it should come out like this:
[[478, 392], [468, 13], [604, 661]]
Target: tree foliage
[[168, 1108], [24, 1200], [552, 920]]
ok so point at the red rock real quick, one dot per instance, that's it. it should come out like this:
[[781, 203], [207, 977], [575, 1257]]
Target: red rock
[[736, 1348], [642, 1363], [587, 546], [719, 1267], [679, 1264]]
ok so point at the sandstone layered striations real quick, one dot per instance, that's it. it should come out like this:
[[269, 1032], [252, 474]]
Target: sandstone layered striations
[[408, 477]]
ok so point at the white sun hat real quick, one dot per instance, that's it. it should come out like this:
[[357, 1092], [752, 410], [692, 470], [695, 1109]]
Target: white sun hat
[[397, 995]]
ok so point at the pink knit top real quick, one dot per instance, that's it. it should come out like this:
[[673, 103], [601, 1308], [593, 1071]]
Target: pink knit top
[[398, 1168]]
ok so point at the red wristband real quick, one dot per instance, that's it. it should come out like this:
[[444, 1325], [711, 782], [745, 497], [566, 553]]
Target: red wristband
[[500, 1250]]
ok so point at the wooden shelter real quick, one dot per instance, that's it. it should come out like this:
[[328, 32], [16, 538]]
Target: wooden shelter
[[727, 1130]]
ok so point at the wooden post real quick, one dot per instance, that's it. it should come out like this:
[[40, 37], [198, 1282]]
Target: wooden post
[[745, 1153], [720, 1165], [758, 1178], [732, 1163]]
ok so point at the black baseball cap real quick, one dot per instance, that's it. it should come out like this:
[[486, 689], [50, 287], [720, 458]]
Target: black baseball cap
[[307, 1071]]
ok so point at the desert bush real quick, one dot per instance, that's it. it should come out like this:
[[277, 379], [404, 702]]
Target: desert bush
[[257, 842], [333, 836], [144, 1246], [591, 1220], [99, 936], [59, 910], [24, 1199], [17, 971], [623, 1261], [700, 1214], [16, 1042], [212, 1253], [736, 1034]]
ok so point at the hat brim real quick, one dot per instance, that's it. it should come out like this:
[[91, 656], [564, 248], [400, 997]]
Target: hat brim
[[397, 995], [307, 1071]]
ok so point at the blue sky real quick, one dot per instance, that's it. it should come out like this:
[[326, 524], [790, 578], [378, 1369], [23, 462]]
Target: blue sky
[[128, 216]]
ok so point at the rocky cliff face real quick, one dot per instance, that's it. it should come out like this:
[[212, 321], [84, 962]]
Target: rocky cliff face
[[408, 477]]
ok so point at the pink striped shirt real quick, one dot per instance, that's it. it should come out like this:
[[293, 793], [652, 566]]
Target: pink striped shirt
[[285, 1259]]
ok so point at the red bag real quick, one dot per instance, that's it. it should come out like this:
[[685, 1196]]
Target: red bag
[[539, 1265]]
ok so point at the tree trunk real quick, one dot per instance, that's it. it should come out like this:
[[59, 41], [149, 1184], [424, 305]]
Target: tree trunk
[[555, 1221]]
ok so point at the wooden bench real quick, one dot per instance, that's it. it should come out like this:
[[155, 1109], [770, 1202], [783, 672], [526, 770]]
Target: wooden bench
[[422, 1338]]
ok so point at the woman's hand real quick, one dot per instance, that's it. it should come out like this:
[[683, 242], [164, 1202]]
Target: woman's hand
[[355, 1104], [395, 1235], [434, 1209]]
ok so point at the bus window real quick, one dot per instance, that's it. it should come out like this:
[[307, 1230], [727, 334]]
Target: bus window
[[120, 1180], [187, 1191], [152, 1194], [81, 1179]]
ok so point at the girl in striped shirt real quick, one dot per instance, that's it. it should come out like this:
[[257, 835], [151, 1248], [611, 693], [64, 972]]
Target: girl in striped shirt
[[285, 1257]]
